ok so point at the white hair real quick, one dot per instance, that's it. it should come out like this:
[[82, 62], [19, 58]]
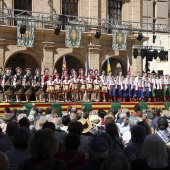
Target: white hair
[[154, 152], [133, 121]]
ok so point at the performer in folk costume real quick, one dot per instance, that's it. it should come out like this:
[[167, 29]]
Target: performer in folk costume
[[158, 88], [82, 86], [96, 84], [73, 72], [38, 84], [91, 74], [104, 87], [112, 89], [50, 88], [54, 75], [17, 83], [64, 74], [134, 89], [89, 86], [6, 84], [163, 88], [140, 85], [74, 86], [81, 72], [124, 87], [1, 78], [168, 89], [66, 87], [103, 76], [153, 88], [147, 90], [28, 83], [96, 73], [119, 86], [45, 79], [129, 88], [57, 87], [166, 85]]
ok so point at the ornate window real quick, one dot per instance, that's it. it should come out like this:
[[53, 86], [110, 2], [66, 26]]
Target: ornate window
[[114, 9], [70, 7]]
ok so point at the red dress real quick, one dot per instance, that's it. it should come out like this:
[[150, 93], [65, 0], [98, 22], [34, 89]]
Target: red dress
[[46, 77]]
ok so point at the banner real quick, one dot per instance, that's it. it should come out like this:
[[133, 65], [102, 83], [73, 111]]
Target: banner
[[108, 66], [73, 35], [64, 66], [87, 65], [26, 39], [119, 40]]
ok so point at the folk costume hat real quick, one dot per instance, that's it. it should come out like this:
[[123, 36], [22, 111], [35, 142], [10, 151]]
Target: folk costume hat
[[37, 69], [27, 69], [18, 68], [46, 69], [1, 68]]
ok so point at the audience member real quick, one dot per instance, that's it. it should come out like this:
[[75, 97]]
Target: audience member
[[4, 162], [65, 121], [24, 122]]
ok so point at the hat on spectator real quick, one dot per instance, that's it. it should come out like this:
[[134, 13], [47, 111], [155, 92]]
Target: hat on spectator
[[7, 117], [162, 123], [31, 118], [20, 116], [150, 116], [33, 112], [87, 125], [98, 144]]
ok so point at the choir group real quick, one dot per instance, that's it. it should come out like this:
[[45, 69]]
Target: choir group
[[145, 87]]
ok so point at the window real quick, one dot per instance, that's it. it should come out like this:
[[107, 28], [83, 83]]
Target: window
[[22, 5], [70, 7], [115, 8]]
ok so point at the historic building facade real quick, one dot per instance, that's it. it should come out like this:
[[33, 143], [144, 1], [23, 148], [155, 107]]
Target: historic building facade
[[49, 48]]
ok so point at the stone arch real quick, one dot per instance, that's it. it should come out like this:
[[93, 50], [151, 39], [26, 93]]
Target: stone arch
[[114, 60]]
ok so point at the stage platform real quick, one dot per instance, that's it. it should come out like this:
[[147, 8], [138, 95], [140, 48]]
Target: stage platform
[[62, 106]]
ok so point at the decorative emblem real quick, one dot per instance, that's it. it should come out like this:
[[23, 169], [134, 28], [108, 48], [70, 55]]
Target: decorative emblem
[[73, 34], [119, 38]]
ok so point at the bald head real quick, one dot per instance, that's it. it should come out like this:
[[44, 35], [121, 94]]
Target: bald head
[[73, 116], [4, 162], [57, 122]]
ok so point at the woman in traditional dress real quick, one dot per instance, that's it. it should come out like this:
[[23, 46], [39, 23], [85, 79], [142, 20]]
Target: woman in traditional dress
[[28, 83], [124, 87], [140, 85], [50, 88], [57, 87], [75, 86], [104, 87], [37, 84], [147, 90], [96, 84], [163, 88], [45, 79], [112, 88], [17, 83], [66, 87], [89, 86], [82, 86], [129, 88], [6, 84], [54, 75]]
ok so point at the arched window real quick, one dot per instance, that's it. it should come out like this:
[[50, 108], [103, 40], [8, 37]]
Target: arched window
[[70, 7], [23, 4], [114, 9]]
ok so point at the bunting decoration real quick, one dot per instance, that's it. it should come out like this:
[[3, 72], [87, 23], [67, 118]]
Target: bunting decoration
[[26, 39], [73, 35], [119, 40]]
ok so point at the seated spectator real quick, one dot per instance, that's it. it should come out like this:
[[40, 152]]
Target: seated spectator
[[102, 114], [157, 115], [6, 119], [146, 126], [116, 161], [43, 146], [20, 151], [73, 116], [153, 155], [117, 142], [6, 142], [40, 122], [4, 162], [14, 114], [31, 119], [49, 125], [65, 121], [149, 119], [7, 110], [71, 156], [98, 151], [24, 122], [74, 110], [133, 149], [162, 132]]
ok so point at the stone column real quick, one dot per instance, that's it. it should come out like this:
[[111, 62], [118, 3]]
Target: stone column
[[2, 52], [48, 55]]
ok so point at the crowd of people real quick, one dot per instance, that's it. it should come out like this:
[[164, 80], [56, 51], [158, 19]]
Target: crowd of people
[[84, 139], [78, 87]]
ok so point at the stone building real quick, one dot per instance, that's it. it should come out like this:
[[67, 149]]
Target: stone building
[[49, 48]]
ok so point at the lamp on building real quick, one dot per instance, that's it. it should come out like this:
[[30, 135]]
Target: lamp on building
[[57, 30], [98, 34], [135, 52], [63, 18], [144, 53], [22, 29], [155, 54], [162, 55], [140, 36]]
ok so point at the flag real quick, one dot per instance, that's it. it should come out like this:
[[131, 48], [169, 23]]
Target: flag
[[87, 65], [64, 63], [128, 65], [108, 66]]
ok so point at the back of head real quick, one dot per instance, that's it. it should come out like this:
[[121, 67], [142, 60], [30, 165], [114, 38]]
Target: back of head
[[154, 152], [108, 120], [21, 138], [12, 127], [69, 108], [138, 133], [83, 109], [75, 127], [162, 123], [24, 122], [49, 125], [98, 148], [102, 113], [74, 110], [73, 116], [43, 144], [7, 110], [112, 130], [116, 161], [57, 122], [66, 120], [72, 141], [48, 111], [136, 108], [40, 110], [4, 162]]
